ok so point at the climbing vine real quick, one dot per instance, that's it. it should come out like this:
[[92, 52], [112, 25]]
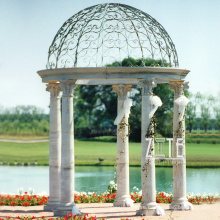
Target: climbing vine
[[150, 134], [180, 129], [178, 134], [151, 128], [121, 130]]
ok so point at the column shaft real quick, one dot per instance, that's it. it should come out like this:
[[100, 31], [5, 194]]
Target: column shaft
[[147, 164], [148, 206], [179, 164], [67, 151], [123, 197], [55, 147]]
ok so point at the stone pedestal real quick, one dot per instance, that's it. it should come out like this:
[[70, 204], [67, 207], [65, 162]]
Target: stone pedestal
[[179, 161], [55, 147], [67, 151], [122, 197]]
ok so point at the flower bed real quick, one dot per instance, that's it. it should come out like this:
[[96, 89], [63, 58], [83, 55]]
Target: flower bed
[[161, 197], [202, 198], [67, 217], [23, 200], [106, 197], [94, 198]]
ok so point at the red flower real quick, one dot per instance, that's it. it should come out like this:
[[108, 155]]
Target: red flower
[[33, 217], [25, 204], [158, 201]]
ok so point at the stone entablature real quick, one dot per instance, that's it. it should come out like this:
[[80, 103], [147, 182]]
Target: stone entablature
[[111, 75]]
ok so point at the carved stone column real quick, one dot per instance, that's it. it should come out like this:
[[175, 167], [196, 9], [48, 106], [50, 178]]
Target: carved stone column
[[148, 206], [55, 147], [122, 150], [179, 163], [67, 150]]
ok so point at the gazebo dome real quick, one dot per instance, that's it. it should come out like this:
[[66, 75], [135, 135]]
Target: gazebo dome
[[108, 33]]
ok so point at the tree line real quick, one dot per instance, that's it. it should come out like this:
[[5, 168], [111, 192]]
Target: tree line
[[95, 109], [203, 112], [24, 120]]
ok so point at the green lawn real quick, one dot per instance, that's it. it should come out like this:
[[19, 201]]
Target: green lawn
[[88, 152]]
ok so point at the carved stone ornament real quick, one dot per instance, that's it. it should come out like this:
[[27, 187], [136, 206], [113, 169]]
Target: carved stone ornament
[[122, 90], [179, 87], [186, 85], [67, 87], [54, 89], [147, 86]]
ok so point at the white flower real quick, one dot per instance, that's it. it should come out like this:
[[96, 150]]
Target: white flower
[[135, 189], [31, 191], [43, 194], [112, 182], [140, 193], [20, 191]]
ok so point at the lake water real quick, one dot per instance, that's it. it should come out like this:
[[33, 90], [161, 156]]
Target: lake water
[[96, 179]]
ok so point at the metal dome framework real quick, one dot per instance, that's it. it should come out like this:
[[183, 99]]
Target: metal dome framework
[[108, 33]]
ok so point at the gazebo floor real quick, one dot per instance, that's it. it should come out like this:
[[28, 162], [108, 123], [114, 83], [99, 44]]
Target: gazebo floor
[[107, 211]]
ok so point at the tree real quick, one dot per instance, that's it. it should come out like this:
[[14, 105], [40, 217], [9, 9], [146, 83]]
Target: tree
[[94, 106], [217, 116], [164, 114], [204, 104], [190, 116], [205, 116], [190, 113], [86, 103]]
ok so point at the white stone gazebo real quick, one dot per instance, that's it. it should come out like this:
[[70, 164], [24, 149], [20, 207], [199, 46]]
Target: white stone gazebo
[[80, 54]]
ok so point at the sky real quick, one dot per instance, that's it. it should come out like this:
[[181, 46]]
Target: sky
[[28, 28]]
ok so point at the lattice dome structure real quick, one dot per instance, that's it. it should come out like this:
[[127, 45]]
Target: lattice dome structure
[[108, 33]]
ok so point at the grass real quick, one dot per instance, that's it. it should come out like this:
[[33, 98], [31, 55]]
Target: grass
[[89, 151], [9, 152]]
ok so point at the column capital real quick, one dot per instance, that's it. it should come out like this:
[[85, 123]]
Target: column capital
[[178, 87], [67, 87], [122, 89], [147, 86], [54, 89]]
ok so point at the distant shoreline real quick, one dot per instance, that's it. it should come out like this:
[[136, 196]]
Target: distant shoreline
[[23, 142]]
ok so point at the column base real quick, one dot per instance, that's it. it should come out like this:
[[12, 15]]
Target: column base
[[181, 204], [147, 209], [65, 209], [53, 204], [123, 201]]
